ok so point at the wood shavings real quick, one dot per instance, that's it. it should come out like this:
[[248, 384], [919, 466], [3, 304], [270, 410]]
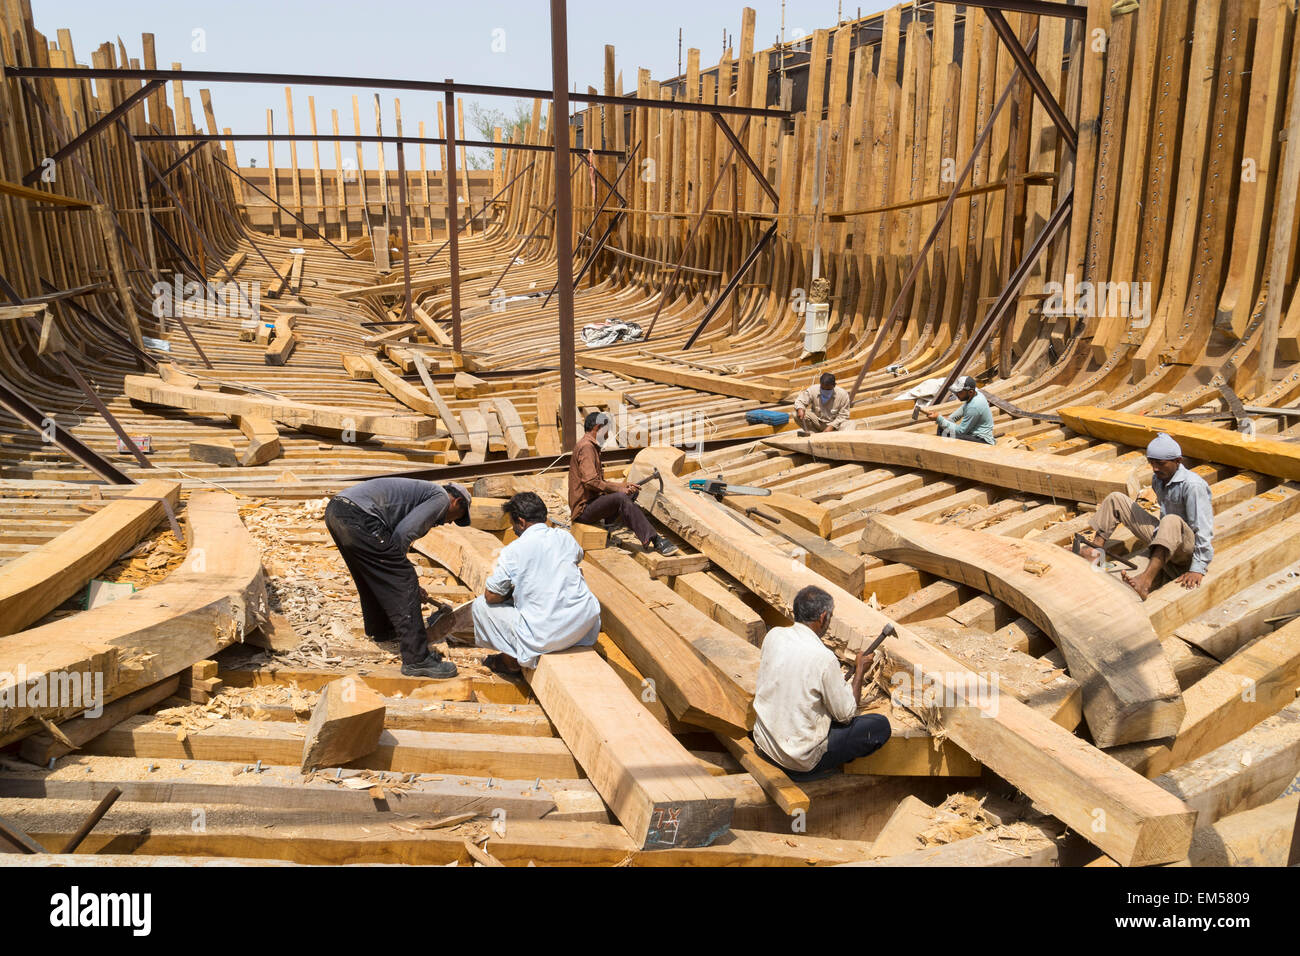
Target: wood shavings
[[1036, 567]]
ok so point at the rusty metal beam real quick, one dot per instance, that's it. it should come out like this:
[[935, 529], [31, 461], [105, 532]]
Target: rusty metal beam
[[1007, 297], [379, 83], [1045, 96], [745, 266], [453, 217], [904, 293], [348, 138], [94, 129], [563, 221], [1042, 8]]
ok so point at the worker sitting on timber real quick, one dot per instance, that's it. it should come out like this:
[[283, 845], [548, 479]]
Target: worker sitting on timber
[[822, 407], [1180, 538], [804, 710], [374, 524], [593, 500], [536, 600], [974, 422]]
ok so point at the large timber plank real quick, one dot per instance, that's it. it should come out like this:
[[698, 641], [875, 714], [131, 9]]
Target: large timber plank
[[1057, 476], [37, 582], [658, 791], [1068, 777]]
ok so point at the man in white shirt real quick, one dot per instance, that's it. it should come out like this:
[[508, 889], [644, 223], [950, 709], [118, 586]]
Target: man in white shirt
[[536, 599], [804, 710]]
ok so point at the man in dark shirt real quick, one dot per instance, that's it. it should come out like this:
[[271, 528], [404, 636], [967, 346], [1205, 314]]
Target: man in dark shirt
[[593, 500], [374, 524]]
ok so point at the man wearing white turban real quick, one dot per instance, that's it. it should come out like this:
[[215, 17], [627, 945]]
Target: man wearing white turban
[[1180, 538]]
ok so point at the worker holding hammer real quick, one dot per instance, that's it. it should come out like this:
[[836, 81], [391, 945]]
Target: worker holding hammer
[[805, 713], [593, 500]]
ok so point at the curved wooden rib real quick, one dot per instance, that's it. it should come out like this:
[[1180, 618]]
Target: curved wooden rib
[[215, 597], [1129, 690]]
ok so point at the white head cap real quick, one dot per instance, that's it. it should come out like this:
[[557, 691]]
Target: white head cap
[[1163, 448]]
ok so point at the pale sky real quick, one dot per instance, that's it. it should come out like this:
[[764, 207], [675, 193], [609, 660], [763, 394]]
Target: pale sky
[[400, 39]]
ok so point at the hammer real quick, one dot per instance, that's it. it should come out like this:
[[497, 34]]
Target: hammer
[[887, 631]]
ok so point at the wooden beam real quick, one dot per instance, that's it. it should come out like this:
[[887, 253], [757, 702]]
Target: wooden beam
[[37, 582], [1266, 456], [345, 724], [1246, 772], [1129, 690], [405, 751], [686, 378], [1253, 684], [1066, 776], [657, 790], [1058, 476], [154, 391], [215, 597]]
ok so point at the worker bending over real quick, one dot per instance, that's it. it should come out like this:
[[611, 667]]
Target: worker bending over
[[973, 422], [823, 407], [1183, 534], [536, 599], [593, 500], [374, 524], [804, 710]]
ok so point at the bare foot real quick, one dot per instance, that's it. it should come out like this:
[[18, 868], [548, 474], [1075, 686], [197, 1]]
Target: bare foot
[[1139, 584]]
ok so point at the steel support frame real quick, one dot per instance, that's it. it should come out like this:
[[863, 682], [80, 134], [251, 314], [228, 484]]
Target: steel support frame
[[453, 220], [695, 228], [905, 291], [1049, 101], [379, 83], [95, 128], [1042, 8], [730, 287], [563, 222], [348, 138], [486, 203], [1060, 216]]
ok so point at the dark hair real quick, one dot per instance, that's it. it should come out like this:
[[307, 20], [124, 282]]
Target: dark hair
[[811, 603], [527, 507], [593, 419], [828, 380]]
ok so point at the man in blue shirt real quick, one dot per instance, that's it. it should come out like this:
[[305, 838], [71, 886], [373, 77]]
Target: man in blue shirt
[[974, 422], [374, 524], [1182, 537]]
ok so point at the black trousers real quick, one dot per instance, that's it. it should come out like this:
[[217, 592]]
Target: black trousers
[[863, 735], [622, 507], [386, 581]]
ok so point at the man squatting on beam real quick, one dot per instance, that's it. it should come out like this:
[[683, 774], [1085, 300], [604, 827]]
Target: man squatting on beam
[[593, 500], [536, 599], [974, 422], [804, 711], [1182, 534], [374, 523], [822, 407]]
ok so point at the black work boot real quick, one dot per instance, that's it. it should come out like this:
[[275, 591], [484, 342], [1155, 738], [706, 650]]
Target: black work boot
[[663, 545], [432, 666]]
